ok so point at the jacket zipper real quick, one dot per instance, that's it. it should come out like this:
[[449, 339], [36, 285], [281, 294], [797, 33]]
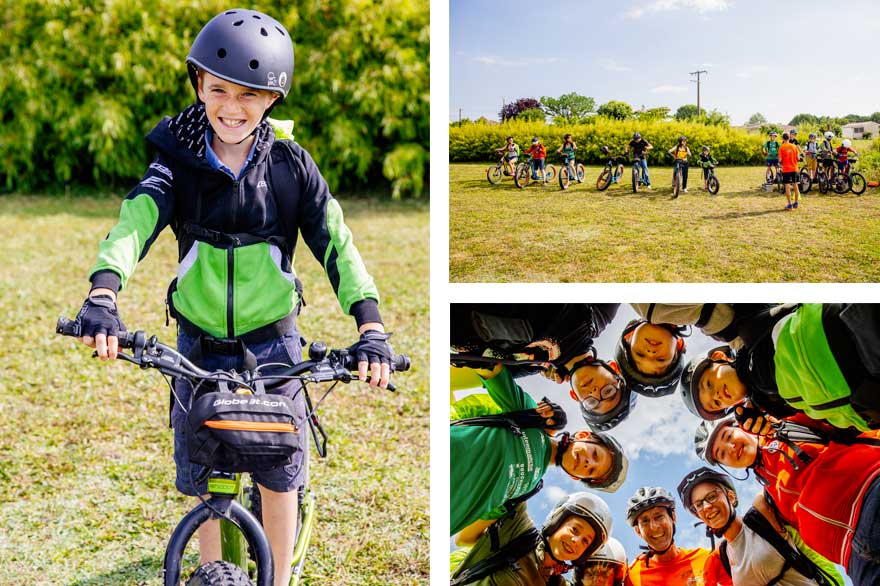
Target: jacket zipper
[[840, 524], [252, 426], [230, 268]]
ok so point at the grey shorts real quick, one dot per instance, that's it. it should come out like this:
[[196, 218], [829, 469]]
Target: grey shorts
[[286, 349]]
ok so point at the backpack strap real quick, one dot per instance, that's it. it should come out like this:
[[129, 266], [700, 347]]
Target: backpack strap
[[792, 556], [506, 557], [725, 560]]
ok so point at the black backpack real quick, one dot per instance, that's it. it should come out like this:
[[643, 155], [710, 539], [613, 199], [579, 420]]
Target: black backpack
[[505, 557]]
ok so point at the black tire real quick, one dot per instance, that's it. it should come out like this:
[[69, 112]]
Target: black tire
[[712, 184], [523, 175], [841, 183], [604, 179], [219, 574], [581, 172], [635, 178], [770, 176], [495, 174], [549, 173], [676, 182], [823, 183], [804, 182], [858, 183], [564, 181]]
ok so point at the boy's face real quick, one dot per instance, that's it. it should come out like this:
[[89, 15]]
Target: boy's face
[[586, 459], [656, 527], [714, 514], [589, 381], [734, 447], [233, 110], [720, 387], [571, 539], [600, 574], [653, 349]]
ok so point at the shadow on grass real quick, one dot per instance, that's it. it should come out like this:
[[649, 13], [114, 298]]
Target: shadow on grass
[[135, 573], [739, 215]]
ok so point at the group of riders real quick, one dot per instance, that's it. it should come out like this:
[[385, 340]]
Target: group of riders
[[791, 393], [812, 153]]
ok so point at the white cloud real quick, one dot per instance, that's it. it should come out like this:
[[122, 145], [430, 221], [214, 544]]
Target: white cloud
[[554, 494], [669, 89], [495, 60], [658, 427], [700, 6], [612, 65]]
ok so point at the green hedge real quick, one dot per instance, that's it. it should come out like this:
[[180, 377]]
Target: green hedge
[[477, 142], [82, 83]]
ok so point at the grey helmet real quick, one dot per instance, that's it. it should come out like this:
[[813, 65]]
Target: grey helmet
[[690, 381], [706, 433], [611, 554], [646, 498], [704, 474], [644, 384], [619, 463], [245, 47], [589, 507]]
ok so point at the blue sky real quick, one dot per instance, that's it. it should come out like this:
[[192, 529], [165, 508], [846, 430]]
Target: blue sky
[[779, 58], [657, 438]]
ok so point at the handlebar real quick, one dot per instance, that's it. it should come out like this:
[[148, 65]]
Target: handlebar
[[323, 365]]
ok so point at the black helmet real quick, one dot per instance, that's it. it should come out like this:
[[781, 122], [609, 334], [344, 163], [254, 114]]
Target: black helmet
[[690, 381], [644, 384], [589, 507], [605, 150], [609, 420], [705, 148], [637, 135], [245, 47], [704, 474], [646, 498]]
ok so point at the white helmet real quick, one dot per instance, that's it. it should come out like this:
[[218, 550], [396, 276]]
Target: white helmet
[[705, 435], [829, 135], [847, 142], [589, 507], [612, 555]]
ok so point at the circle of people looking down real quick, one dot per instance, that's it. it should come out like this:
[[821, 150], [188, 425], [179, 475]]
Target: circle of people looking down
[[791, 394]]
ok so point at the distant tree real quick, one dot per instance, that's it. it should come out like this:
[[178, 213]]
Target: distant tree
[[616, 109], [757, 118], [804, 119], [532, 115], [766, 128], [875, 117], [686, 112], [513, 109], [660, 113], [569, 107], [716, 118]]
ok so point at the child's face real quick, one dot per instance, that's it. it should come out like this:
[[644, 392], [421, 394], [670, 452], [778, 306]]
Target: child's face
[[734, 447], [600, 574], [589, 381], [587, 459], [720, 387], [571, 539], [233, 110], [715, 513], [653, 349]]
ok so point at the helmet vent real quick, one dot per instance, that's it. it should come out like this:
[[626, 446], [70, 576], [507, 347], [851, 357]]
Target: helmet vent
[[237, 23], [263, 32], [221, 53], [280, 31], [257, 16], [254, 64], [230, 12]]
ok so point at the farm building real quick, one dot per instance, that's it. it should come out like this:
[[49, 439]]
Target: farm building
[[866, 129]]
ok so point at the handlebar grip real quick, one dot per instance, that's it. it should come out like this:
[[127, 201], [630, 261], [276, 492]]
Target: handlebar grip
[[400, 362], [70, 327]]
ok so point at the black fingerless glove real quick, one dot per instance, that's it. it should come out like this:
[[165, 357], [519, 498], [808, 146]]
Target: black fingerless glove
[[372, 347], [560, 419], [99, 316]]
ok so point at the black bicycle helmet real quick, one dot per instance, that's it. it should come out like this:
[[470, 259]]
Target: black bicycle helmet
[[637, 135], [245, 47], [609, 420], [644, 384], [646, 498], [704, 474], [690, 381], [589, 507]]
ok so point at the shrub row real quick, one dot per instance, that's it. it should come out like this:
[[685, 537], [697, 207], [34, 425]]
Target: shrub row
[[476, 142], [82, 83]]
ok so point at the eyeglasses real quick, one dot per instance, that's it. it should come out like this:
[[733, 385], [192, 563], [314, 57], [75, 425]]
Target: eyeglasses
[[606, 393], [709, 499]]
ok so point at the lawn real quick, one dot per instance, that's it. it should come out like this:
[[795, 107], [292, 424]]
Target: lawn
[[87, 492], [544, 234]]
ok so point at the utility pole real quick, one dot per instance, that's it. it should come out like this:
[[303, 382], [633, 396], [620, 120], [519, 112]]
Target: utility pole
[[459, 117], [697, 73]]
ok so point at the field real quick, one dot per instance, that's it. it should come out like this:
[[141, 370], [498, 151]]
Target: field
[[543, 234], [87, 492]]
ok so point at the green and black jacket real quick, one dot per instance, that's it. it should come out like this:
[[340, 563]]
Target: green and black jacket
[[236, 237]]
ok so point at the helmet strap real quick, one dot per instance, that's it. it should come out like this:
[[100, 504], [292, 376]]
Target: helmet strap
[[562, 446]]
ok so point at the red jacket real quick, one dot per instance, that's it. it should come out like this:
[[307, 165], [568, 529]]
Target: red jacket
[[822, 499], [537, 151]]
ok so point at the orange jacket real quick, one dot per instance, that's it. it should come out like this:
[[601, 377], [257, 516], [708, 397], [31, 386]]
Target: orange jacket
[[537, 151]]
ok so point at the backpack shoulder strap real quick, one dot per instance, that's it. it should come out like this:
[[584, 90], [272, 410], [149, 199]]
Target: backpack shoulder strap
[[725, 560], [792, 556], [505, 557]]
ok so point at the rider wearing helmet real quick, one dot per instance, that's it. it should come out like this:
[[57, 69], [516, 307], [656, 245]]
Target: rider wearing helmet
[[811, 153], [711, 496], [707, 161], [209, 182], [606, 567], [568, 149], [574, 530], [771, 150], [788, 157], [651, 512], [681, 153], [829, 492], [539, 156], [640, 148], [843, 153], [482, 456]]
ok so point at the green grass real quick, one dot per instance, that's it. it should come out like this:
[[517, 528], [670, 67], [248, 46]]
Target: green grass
[[87, 492], [543, 234]]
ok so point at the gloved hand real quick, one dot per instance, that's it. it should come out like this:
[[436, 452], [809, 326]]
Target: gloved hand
[[99, 324], [373, 351], [554, 415]]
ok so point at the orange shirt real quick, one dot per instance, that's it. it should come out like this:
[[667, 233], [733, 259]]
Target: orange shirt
[[689, 564], [788, 155]]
